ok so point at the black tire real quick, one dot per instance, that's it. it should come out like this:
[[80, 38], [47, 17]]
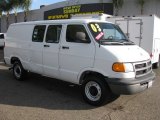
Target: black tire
[[18, 71], [95, 90], [157, 64]]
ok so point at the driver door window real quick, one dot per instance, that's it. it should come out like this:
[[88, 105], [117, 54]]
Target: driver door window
[[77, 34]]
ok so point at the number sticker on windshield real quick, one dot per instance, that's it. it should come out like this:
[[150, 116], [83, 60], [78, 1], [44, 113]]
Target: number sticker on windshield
[[98, 27], [93, 27]]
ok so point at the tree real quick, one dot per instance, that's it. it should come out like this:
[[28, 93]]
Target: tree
[[1, 10], [16, 5], [117, 4], [6, 7], [141, 3], [26, 6]]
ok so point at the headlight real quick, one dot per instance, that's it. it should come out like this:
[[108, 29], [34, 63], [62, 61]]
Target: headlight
[[122, 67]]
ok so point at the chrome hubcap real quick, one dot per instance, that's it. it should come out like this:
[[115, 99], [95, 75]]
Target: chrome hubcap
[[17, 71], [93, 91]]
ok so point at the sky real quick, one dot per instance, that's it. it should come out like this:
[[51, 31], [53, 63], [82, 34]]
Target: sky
[[36, 3]]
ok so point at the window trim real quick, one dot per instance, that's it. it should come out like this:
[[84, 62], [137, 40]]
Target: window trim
[[47, 31], [43, 35], [3, 36]]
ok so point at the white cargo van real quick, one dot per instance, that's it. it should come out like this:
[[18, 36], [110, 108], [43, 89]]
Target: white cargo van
[[2, 38], [143, 31], [92, 53]]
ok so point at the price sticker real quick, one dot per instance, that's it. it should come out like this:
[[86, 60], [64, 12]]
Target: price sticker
[[99, 36]]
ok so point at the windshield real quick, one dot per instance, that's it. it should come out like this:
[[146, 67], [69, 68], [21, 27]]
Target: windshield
[[107, 33]]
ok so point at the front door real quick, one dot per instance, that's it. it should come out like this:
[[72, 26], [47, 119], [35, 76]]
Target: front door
[[76, 53]]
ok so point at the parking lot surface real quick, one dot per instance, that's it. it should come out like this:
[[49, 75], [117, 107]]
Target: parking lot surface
[[41, 98]]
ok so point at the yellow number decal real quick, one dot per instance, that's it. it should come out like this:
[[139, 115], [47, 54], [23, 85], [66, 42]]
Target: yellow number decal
[[93, 27], [98, 27]]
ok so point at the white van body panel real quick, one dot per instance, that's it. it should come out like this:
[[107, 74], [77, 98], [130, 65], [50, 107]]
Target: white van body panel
[[36, 57], [51, 60], [18, 44]]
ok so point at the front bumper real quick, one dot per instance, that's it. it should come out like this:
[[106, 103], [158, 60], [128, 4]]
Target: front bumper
[[130, 86]]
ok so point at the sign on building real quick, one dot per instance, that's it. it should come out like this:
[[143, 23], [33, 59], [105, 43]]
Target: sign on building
[[66, 12]]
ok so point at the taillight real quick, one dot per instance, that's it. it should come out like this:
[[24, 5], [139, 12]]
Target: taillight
[[151, 55]]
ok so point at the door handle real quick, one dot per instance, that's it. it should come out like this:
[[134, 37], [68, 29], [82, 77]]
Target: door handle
[[46, 46], [65, 47]]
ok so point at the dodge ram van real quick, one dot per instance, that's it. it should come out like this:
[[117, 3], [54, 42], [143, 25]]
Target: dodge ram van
[[92, 53]]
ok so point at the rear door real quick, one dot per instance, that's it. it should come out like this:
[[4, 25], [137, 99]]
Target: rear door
[[156, 50], [36, 49], [75, 54], [51, 51], [134, 30]]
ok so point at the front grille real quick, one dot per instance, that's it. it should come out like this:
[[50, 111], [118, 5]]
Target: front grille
[[143, 68], [140, 65]]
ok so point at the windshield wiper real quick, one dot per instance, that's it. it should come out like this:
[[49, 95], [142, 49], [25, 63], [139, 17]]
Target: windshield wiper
[[128, 42], [111, 43], [116, 42]]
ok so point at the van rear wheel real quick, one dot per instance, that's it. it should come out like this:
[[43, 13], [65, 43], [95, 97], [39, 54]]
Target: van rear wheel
[[95, 90], [18, 71]]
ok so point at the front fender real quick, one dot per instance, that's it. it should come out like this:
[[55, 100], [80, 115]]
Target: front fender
[[90, 70]]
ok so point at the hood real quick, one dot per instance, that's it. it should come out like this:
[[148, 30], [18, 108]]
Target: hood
[[127, 53]]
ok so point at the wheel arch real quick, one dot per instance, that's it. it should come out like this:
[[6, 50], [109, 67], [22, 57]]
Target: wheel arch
[[14, 59], [86, 73]]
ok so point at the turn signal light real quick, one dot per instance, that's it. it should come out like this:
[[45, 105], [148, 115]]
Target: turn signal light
[[118, 67]]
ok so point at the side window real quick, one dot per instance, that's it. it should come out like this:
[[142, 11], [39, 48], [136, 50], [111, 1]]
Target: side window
[[2, 36], [38, 33], [53, 33], [77, 34]]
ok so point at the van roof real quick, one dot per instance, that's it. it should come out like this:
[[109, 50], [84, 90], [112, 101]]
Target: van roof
[[60, 21]]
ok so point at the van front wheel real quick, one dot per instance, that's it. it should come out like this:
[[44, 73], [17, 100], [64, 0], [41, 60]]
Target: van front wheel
[[95, 90], [18, 71]]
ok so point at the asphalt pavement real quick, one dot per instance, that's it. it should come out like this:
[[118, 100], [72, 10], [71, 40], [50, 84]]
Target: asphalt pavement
[[42, 98]]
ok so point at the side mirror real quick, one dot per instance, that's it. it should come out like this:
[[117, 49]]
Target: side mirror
[[81, 37]]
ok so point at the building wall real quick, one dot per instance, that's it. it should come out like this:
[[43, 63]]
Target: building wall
[[73, 2], [130, 8], [32, 16]]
